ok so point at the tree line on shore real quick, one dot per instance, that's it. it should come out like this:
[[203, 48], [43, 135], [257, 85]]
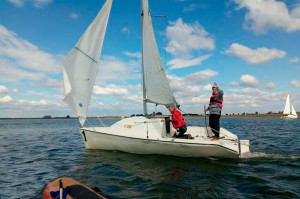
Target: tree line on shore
[[269, 113]]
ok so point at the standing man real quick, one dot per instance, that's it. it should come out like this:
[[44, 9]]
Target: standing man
[[215, 108], [178, 122]]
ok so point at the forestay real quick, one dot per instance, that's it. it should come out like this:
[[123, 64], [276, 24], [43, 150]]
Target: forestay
[[156, 84], [81, 64]]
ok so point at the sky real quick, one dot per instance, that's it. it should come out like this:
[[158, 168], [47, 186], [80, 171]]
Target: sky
[[251, 48]]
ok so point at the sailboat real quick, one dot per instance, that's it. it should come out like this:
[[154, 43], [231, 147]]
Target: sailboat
[[143, 134], [289, 110]]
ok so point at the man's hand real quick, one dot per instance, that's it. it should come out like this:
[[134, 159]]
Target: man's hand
[[215, 84], [205, 109]]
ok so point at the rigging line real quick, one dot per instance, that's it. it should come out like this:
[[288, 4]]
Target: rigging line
[[90, 124], [165, 39], [114, 107], [101, 121], [166, 44], [85, 54]]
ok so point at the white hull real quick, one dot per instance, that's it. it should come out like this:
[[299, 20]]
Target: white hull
[[290, 116], [130, 135]]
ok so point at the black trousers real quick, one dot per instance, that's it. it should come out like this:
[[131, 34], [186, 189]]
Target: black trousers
[[181, 131], [214, 123]]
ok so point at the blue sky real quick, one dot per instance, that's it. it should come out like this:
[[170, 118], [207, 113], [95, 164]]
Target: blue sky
[[251, 48]]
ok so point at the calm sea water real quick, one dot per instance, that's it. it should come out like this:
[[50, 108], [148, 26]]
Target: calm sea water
[[34, 151]]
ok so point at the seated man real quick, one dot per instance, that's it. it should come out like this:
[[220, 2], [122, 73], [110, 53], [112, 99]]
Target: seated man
[[178, 122]]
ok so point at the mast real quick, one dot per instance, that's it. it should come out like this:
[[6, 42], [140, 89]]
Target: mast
[[144, 87]]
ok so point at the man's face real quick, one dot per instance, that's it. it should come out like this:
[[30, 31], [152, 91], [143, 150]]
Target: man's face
[[214, 89], [170, 109]]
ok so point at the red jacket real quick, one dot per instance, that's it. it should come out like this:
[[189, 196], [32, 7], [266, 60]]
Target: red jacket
[[177, 119]]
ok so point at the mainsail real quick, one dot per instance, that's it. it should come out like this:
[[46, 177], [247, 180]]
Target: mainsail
[[156, 86], [81, 64], [287, 109]]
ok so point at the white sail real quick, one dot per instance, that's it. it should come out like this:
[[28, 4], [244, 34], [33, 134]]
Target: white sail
[[287, 109], [156, 86], [293, 111], [81, 64]]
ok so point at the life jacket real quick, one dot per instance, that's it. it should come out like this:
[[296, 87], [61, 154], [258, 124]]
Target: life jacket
[[213, 100], [177, 119]]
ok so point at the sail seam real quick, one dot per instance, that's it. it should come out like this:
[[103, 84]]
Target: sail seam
[[85, 54]]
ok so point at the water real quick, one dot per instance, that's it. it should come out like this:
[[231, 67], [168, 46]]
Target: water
[[34, 151]]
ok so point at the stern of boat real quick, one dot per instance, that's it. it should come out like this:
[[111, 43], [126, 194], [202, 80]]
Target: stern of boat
[[244, 146]]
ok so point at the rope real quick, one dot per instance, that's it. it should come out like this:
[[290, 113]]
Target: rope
[[90, 124], [101, 121]]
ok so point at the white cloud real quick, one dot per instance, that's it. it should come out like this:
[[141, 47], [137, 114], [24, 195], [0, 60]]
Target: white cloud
[[183, 63], [234, 83], [182, 88], [258, 56], [41, 3], [253, 91], [264, 15], [37, 93], [15, 90], [30, 104], [194, 6], [10, 73], [208, 87], [3, 89], [247, 99], [269, 85], [114, 69], [295, 83], [125, 30], [26, 55], [187, 87], [120, 91], [185, 38], [294, 59], [249, 80], [110, 90], [200, 76], [5, 99], [74, 15], [49, 82], [133, 55], [36, 3], [132, 98], [17, 3]]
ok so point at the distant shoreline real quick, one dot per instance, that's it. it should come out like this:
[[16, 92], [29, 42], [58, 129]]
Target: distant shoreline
[[111, 117]]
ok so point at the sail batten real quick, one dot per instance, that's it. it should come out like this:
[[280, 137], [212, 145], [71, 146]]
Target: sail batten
[[85, 54], [81, 64]]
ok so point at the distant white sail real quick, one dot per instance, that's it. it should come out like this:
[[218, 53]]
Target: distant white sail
[[293, 111], [81, 64], [287, 109], [156, 84]]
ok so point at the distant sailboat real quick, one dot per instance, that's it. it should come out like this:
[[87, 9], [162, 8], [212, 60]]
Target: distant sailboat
[[289, 110], [142, 135]]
